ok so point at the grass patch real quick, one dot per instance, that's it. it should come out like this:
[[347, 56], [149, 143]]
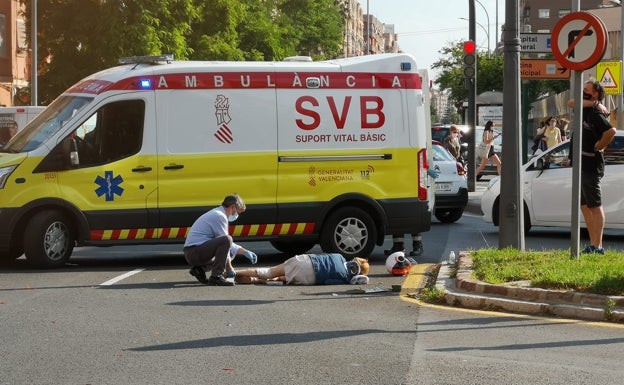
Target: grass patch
[[552, 269], [432, 294]]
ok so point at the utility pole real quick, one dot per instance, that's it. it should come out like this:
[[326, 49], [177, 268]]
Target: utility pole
[[511, 211], [33, 54], [471, 111]]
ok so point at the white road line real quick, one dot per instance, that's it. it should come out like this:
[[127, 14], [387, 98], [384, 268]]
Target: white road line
[[119, 278]]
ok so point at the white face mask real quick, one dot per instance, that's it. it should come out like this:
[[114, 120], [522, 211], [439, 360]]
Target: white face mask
[[233, 217]]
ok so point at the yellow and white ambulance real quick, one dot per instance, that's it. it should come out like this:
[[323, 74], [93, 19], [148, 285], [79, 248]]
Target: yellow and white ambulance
[[331, 152]]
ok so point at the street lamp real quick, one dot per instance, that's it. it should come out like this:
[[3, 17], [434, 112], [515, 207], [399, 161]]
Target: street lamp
[[484, 30], [488, 23]]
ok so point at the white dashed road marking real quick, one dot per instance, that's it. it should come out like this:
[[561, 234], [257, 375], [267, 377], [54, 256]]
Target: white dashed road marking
[[120, 277]]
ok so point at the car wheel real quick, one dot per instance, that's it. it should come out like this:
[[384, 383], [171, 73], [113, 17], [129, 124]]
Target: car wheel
[[11, 255], [349, 231], [48, 239], [293, 247], [527, 220], [449, 215], [496, 216]]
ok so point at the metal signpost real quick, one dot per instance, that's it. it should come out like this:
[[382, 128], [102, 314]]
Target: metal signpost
[[579, 42]]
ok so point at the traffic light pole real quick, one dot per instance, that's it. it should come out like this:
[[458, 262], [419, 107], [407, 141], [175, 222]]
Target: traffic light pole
[[511, 208], [471, 111]]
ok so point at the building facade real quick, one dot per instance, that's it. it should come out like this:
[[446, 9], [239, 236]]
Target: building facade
[[15, 69], [540, 16], [359, 37]]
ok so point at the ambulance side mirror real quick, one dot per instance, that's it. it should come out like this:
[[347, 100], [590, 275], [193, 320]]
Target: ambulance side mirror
[[74, 160]]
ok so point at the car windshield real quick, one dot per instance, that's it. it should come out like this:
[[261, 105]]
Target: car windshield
[[440, 154], [46, 124], [439, 133], [559, 157]]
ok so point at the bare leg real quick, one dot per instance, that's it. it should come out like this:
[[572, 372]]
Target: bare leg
[[270, 273], [595, 220], [497, 162], [484, 162]]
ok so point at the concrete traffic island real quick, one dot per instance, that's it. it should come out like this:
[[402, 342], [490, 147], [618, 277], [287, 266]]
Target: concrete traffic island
[[461, 290]]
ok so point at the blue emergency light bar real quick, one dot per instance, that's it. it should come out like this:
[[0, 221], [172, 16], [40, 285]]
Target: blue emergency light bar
[[145, 84], [406, 66]]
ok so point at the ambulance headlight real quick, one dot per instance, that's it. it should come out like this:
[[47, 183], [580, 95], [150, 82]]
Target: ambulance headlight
[[5, 172], [145, 84]]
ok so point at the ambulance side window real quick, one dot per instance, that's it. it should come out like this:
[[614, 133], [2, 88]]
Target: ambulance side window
[[114, 132]]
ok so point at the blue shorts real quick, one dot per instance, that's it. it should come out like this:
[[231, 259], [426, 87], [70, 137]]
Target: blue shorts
[[591, 195]]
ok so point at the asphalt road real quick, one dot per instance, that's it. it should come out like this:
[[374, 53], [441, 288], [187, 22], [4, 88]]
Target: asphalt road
[[133, 315]]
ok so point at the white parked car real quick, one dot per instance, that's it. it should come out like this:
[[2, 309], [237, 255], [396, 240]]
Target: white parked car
[[451, 187], [548, 185]]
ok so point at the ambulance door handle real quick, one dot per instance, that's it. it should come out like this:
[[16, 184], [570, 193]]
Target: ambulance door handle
[[174, 167], [141, 169]]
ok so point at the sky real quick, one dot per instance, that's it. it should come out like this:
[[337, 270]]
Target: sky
[[425, 26]]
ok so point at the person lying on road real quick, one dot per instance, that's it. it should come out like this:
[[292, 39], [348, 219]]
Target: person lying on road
[[310, 269]]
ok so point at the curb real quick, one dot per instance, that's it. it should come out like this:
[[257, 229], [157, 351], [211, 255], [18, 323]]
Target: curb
[[463, 291]]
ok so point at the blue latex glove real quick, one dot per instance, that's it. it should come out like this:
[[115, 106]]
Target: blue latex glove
[[230, 274], [253, 258], [433, 173]]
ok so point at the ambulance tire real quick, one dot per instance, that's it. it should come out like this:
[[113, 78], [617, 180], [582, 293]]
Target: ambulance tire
[[292, 247], [349, 231], [48, 239], [10, 256]]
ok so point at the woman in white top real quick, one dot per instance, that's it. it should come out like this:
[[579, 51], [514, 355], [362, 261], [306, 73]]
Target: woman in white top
[[488, 138]]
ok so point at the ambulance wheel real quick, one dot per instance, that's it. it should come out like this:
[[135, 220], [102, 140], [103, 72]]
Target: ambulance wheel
[[349, 231], [10, 255], [293, 247], [48, 239]]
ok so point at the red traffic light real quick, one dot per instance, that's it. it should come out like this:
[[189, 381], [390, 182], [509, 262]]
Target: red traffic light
[[470, 47]]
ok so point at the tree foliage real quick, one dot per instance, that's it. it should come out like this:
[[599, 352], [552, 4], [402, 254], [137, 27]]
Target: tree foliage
[[79, 37], [451, 78], [490, 71]]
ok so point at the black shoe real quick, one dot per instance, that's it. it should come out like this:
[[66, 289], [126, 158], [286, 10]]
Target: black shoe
[[418, 249], [199, 273], [219, 281], [396, 247]]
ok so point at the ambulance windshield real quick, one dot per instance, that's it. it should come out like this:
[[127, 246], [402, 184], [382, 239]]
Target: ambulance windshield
[[47, 123]]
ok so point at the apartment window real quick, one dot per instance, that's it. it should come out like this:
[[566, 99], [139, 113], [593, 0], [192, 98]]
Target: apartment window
[[543, 13], [563, 12], [22, 44], [4, 39]]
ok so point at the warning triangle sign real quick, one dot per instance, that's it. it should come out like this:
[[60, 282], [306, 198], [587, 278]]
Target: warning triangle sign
[[607, 80]]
